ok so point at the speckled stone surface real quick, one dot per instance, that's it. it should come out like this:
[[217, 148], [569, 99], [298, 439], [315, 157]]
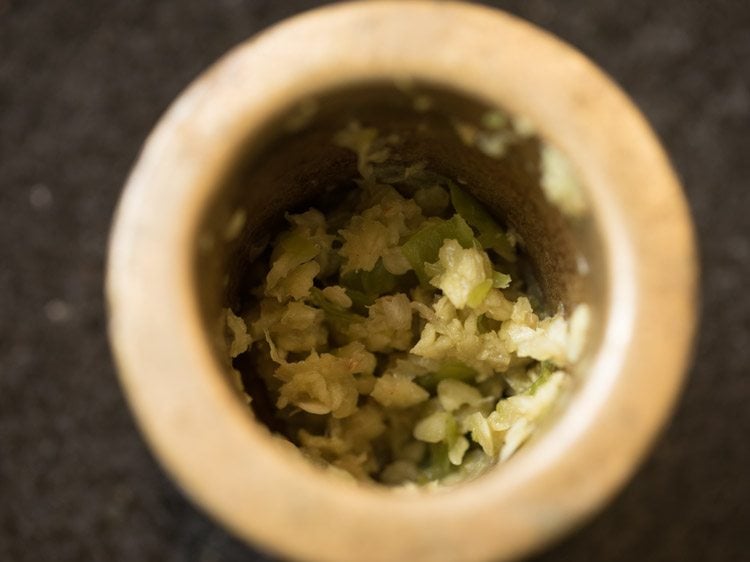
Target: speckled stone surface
[[82, 83]]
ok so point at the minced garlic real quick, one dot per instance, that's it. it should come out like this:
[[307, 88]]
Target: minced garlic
[[398, 347]]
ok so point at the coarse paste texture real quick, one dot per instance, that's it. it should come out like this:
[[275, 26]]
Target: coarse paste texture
[[396, 333]]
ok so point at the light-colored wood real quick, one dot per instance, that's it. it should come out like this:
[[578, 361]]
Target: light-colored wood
[[204, 435]]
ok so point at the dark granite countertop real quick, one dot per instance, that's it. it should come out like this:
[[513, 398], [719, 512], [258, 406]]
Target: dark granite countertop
[[82, 83]]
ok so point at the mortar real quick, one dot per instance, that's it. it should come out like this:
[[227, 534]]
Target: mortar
[[251, 138]]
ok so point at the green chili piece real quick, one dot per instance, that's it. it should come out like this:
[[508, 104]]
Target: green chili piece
[[490, 233], [360, 300], [449, 369], [438, 464], [500, 280], [545, 370], [478, 293], [373, 283], [295, 249], [338, 317], [424, 245]]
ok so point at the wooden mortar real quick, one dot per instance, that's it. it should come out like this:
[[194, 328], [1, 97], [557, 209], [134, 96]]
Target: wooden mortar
[[251, 138]]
